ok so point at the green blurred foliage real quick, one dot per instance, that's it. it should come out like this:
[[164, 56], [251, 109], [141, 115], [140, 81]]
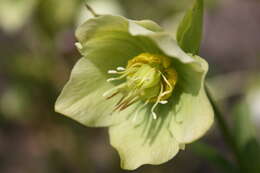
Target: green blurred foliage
[[245, 138], [15, 13], [55, 16]]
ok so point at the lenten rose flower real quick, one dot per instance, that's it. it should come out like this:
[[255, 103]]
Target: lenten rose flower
[[134, 79]]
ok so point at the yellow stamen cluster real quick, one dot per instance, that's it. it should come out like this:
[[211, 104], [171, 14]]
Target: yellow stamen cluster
[[148, 77]]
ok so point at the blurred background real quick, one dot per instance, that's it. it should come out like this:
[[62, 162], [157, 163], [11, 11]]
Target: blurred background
[[37, 54]]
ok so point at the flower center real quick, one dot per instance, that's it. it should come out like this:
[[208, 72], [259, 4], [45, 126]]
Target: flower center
[[147, 77]]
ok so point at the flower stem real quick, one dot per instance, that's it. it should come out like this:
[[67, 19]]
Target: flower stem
[[224, 129], [90, 9]]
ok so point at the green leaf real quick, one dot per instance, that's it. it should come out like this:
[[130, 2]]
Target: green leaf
[[244, 129], [189, 33], [246, 140], [213, 156]]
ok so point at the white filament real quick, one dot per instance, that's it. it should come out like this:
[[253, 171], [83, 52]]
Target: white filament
[[120, 68], [163, 102], [112, 72], [156, 103]]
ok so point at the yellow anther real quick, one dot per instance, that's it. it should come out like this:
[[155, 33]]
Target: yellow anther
[[151, 59]]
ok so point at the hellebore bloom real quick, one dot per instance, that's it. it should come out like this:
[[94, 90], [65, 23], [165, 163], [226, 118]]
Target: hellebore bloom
[[136, 80]]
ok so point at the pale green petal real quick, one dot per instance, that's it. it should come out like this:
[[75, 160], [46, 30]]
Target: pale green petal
[[143, 140], [149, 25], [82, 100], [105, 43], [109, 24], [190, 107], [193, 117], [115, 40], [162, 40], [107, 39]]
